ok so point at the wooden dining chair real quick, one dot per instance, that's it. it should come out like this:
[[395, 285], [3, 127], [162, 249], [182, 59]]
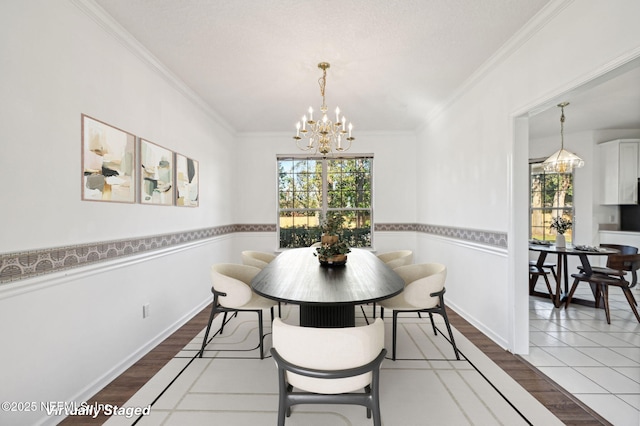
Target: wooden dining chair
[[536, 272], [626, 267], [616, 264]]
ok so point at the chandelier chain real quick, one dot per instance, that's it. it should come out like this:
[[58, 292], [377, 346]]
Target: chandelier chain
[[322, 81], [323, 134]]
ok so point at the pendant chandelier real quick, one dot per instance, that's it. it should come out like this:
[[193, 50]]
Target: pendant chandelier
[[562, 161], [324, 136]]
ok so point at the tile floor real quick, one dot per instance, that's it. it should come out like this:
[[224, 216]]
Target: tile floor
[[426, 386], [597, 362]]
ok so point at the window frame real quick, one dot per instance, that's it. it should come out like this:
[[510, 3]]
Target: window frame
[[324, 208], [570, 209]]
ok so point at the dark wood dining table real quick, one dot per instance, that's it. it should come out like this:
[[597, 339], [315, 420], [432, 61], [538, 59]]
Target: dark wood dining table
[[327, 295], [562, 271]]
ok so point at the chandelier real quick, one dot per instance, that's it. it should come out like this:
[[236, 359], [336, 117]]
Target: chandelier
[[324, 135], [562, 161]]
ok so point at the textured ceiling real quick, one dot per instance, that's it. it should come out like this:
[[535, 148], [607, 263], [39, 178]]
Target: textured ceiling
[[255, 61]]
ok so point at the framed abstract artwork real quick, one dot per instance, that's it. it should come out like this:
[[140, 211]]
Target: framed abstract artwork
[[108, 162], [156, 174], [186, 181]]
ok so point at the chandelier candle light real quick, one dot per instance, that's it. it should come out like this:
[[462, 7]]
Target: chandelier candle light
[[562, 161], [324, 135]]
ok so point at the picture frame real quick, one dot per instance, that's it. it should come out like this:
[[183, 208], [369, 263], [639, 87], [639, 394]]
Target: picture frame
[[187, 181], [156, 174], [108, 162]]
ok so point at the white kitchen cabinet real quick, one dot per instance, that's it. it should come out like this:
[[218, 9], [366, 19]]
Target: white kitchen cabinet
[[618, 160]]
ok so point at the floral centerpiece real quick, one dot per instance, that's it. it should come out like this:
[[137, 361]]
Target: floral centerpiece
[[332, 251], [561, 225]]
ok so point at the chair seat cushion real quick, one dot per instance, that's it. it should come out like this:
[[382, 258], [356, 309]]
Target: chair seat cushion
[[258, 302], [544, 265], [604, 270], [399, 303]]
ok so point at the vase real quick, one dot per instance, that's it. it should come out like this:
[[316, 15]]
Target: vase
[[561, 242], [329, 239]]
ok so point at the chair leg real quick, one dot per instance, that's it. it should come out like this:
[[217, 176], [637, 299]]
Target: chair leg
[[224, 321], [443, 312], [282, 404], [206, 333], [364, 314], [367, 390], [573, 290], [631, 301], [546, 280], [394, 335], [381, 312], [533, 280], [433, 324], [605, 298], [288, 407], [260, 333]]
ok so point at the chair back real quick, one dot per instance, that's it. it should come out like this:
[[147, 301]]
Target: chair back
[[421, 281], [233, 280], [624, 262], [328, 349], [394, 259], [257, 259], [622, 248]]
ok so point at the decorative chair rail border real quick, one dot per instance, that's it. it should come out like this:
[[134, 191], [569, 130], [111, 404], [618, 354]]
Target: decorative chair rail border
[[23, 265]]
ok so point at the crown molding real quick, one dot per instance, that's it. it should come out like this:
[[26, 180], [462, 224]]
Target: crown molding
[[117, 31], [532, 27]]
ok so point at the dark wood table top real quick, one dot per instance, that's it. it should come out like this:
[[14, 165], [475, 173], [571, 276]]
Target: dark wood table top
[[295, 276], [572, 250]]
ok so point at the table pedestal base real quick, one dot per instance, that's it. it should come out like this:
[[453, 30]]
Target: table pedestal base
[[327, 316]]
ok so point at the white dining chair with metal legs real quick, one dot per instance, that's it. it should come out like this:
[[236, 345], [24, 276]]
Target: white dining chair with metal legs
[[423, 293], [232, 293]]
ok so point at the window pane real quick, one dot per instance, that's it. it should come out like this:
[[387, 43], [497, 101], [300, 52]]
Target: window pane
[[299, 229], [357, 228]]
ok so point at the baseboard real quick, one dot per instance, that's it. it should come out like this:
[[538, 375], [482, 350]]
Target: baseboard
[[98, 384]]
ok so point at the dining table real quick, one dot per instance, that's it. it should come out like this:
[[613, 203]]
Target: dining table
[[562, 274], [327, 295]]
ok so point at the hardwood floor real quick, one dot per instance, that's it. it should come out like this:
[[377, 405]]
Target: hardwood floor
[[557, 400]]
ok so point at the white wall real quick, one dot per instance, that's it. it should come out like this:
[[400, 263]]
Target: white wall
[[481, 171], [65, 335]]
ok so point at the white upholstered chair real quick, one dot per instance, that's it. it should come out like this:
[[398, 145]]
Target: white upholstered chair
[[393, 259], [423, 292], [232, 293], [328, 366], [259, 259]]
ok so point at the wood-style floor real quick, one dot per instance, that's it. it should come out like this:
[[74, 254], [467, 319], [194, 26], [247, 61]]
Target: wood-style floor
[[568, 409]]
